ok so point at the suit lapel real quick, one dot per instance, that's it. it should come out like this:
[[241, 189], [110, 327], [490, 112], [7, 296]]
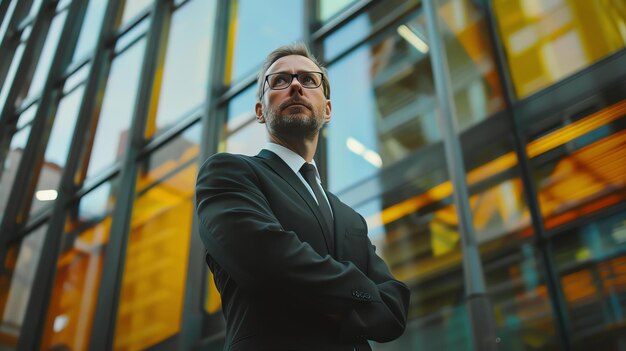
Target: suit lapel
[[281, 168]]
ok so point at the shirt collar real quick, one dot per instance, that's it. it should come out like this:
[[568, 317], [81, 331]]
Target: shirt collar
[[292, 159]]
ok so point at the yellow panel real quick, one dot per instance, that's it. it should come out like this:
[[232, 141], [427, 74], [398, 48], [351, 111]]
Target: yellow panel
[[546, 41], [152, 293]]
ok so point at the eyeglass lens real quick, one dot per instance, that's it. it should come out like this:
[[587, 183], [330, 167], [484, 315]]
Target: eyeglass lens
[[283, 80]]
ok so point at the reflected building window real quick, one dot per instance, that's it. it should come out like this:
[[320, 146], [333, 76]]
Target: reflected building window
[[579, 165], [591, 265], [393, 78], [547, 41]]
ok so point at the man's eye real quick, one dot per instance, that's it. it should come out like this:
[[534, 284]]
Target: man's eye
[[280, 80], [308, 79]]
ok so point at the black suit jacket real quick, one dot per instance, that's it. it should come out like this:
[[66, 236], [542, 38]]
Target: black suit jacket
[[285, 283]]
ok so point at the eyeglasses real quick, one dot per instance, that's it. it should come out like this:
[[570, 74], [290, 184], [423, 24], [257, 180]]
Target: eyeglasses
[[281, 81]]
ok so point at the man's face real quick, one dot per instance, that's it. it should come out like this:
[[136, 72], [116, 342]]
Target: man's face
[[295, 111]]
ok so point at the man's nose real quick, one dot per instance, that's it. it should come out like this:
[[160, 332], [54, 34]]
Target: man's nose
[[296, 87]]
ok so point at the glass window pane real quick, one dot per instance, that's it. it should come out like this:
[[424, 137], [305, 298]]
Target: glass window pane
[[152, 292], [176, 154], [591, 264], [248, 140], [49, 177], [47, 55], [184, 73], [473, 69], [18, 274], [328, 9], [111, 138], [243, 134], [396, 114], [580, 165], [13, 158], [258, 29], [90, 28], [79, 268], [512, 264], [413, 227], [132, 8], [546, 41], [516, 284], [393, 78], [378, 16]]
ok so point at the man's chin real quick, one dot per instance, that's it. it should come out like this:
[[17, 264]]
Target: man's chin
[[296, 124]]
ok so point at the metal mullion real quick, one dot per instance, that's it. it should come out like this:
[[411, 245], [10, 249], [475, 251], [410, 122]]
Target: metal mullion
[[317, 48], [8, 46], [169, 174], [47, 269], [133, 22], [24, 72], [170, 134], [194, 319], [236, 88], [34, 319], [30, 57], [478, 302], [4, 6], [105, 318], [11, 39], [500, 55], [378, 32], [530, 188]]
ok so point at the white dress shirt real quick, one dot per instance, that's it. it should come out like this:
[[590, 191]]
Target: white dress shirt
[[295, 162]]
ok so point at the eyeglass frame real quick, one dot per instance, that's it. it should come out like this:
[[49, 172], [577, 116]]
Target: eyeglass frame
[[294, 75]]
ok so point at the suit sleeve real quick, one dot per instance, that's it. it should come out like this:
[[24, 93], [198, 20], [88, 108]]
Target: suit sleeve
[[243, 236], [384, 320]]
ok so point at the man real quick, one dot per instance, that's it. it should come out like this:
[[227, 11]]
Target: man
[[293, 264]]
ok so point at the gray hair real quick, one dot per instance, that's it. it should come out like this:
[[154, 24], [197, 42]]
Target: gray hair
[[287, 50]]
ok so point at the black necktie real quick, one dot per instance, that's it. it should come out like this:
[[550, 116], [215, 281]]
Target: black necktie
[[308, 172]]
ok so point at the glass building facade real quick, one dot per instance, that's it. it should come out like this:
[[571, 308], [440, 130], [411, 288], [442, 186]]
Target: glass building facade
[[108, 107]]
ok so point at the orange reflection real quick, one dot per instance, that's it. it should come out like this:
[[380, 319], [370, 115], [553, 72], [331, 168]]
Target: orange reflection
[[467, 23], [588, 158], [546, 41], [73, 300], [152, 292]]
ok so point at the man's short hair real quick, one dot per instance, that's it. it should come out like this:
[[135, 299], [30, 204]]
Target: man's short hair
[[287, 50]]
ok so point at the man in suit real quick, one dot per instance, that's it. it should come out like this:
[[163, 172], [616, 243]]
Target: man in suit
[[293, 264]]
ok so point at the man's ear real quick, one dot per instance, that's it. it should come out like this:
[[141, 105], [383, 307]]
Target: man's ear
[[327, 111], [258, 109]]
